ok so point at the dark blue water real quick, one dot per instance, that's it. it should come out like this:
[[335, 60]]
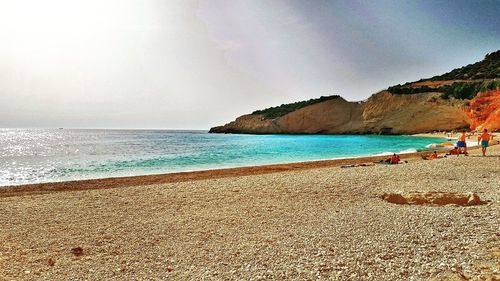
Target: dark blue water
[[35, 155]]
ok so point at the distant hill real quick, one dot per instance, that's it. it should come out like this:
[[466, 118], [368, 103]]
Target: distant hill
[[443, 102], [461, 83], [489, 68], [459, 90]]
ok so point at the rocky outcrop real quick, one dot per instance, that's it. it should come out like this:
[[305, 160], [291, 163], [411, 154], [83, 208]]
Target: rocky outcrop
[[249, 124], [492, 123], [409, 114], [382, 113], [484, 111]]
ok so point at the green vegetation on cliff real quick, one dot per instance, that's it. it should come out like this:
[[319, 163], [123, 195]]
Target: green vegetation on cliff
[[489, 68], [470, 80], [278, 111], [458, 90]]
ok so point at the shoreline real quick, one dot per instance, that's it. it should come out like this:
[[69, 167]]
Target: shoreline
[[118, 182], [80, 167], [126, 181], [216, 173]]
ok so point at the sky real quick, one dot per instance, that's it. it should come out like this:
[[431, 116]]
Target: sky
[[194, 64]]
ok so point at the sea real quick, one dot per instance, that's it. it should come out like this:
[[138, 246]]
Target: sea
[[50, 155]]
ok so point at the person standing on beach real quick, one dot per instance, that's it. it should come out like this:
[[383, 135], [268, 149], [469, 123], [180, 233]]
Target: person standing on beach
[[484, 139], [461, 144]]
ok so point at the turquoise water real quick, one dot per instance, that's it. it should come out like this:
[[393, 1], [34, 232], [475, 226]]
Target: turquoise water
[[35, 155]]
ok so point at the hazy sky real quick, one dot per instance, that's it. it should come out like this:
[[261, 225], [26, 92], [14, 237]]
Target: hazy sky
[[197, 64]]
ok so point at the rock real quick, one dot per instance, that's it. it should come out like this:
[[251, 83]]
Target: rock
[[51, 262], [78, 251], [433, 198], [474, 199], [484, 110], [394, 198]]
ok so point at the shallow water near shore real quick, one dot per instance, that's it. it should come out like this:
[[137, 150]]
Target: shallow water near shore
[[48, 155]]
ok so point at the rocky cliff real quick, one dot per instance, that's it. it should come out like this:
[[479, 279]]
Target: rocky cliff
[[484, 110], [440, 103], [382, 113]]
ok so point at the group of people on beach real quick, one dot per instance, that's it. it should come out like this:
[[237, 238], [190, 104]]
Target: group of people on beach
[[483, 140]]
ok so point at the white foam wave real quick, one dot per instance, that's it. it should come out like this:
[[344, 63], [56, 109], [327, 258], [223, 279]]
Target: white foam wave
[[384, 153], [405, 151], [410, 150]]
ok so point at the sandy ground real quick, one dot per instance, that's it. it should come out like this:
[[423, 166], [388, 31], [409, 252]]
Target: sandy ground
[[297, 224]]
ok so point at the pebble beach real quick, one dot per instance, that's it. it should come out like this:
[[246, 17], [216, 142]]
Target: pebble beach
[[318, 223]]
